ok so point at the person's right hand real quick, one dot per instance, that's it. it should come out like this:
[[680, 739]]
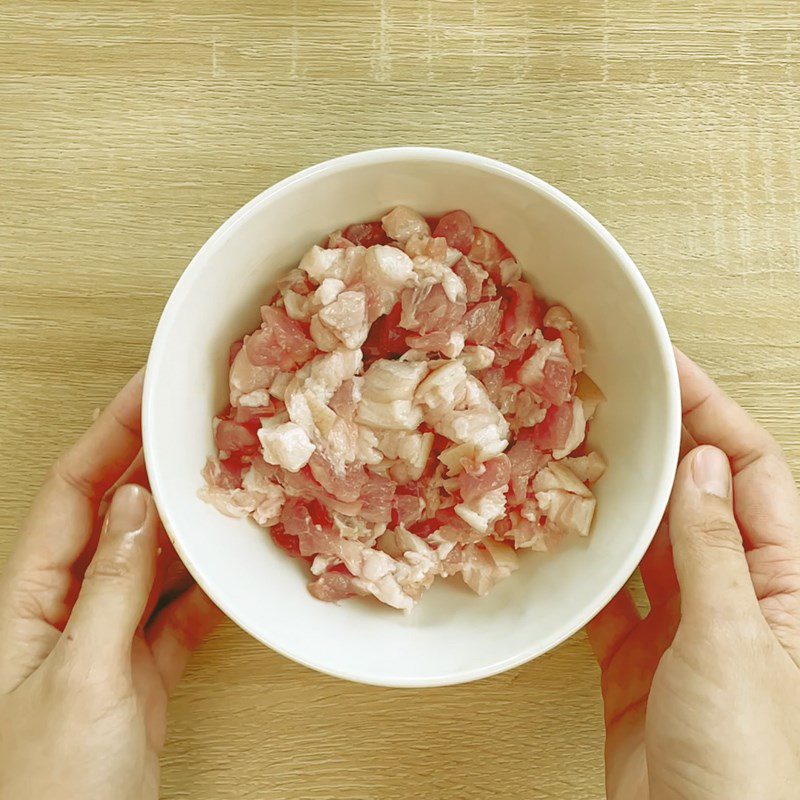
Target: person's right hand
[[713, 713]]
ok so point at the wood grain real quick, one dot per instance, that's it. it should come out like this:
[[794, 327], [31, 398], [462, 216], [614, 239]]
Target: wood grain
[[128, 132]]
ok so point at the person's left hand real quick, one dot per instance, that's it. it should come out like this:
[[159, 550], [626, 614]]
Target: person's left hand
[[96, 626]]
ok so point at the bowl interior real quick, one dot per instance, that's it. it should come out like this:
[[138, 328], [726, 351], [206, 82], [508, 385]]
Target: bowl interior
[[452, 635]]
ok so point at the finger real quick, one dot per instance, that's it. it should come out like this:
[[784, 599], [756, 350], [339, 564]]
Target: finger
[[117, 583], [177, 632], [62, 516], [688, 443], [627, 679], [767, 503], [657, 569], [163, 561], [711, 417], [135, 473], [612, 626], [707, 546]]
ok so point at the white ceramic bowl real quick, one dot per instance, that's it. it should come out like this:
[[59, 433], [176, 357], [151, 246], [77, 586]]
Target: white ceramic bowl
[[452, 636]]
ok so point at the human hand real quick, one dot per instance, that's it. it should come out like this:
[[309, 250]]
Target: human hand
[[713, 713], [89, 655]]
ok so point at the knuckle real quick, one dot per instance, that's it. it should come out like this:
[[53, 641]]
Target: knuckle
[[109, 568], [85, 684], [716, 530]]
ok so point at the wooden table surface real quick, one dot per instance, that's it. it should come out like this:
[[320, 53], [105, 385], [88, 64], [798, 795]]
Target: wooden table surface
[[129, 131]]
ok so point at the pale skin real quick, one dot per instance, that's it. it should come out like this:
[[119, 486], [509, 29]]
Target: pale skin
[[702, 696], [91, 653]]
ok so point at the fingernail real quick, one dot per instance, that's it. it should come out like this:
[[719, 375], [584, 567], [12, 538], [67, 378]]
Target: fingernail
[[128, 509], [712, 472]]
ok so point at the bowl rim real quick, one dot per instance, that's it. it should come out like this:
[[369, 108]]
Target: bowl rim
[[159, 349]]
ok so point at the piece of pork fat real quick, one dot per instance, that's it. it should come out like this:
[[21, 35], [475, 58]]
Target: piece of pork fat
[[252, 492], [402, 222], [334, 586], [548, 372], [387, 271], [455, 404], [398, 583], [344, 264], [280, 341], [525, 460], [484, 565], [307, 397], [245, 377], [589, 394], [558, 318], [408, 452], [427, 309], [387, 395], [567, 503], [346, 318], [588, 468]]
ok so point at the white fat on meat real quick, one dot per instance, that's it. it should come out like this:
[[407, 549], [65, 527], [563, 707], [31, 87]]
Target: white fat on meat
[[367, 450], [322, 564], [586, 468], [297, 306], [286, 445], [417, 563], [433, 263], [237, 503], [324, 338], [412, 449], [346, 318], [455, 344], [303, 307], [387, 395], [458, 407], [532, 371], [271, 496], [482, 512], [589, 393], [444, 387], [509, 271], [386, 272], [577, 431], [526, 532], [435, 250], [246, 377], [328, 291], [326, 373], [431, 272], [566, 502], [455, 458], [476, 357], [319, 263], [375, 570], [357, 529], [402, 222], [558, 317], [279, 383], [307, 397], [342, 263], [255, 399], [484, 566], [528, 411]]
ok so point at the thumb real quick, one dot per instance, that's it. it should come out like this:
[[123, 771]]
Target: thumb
[[115, 588], [707, 546]]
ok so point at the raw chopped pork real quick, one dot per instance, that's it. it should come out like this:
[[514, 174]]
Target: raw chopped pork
[[409, 408]]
